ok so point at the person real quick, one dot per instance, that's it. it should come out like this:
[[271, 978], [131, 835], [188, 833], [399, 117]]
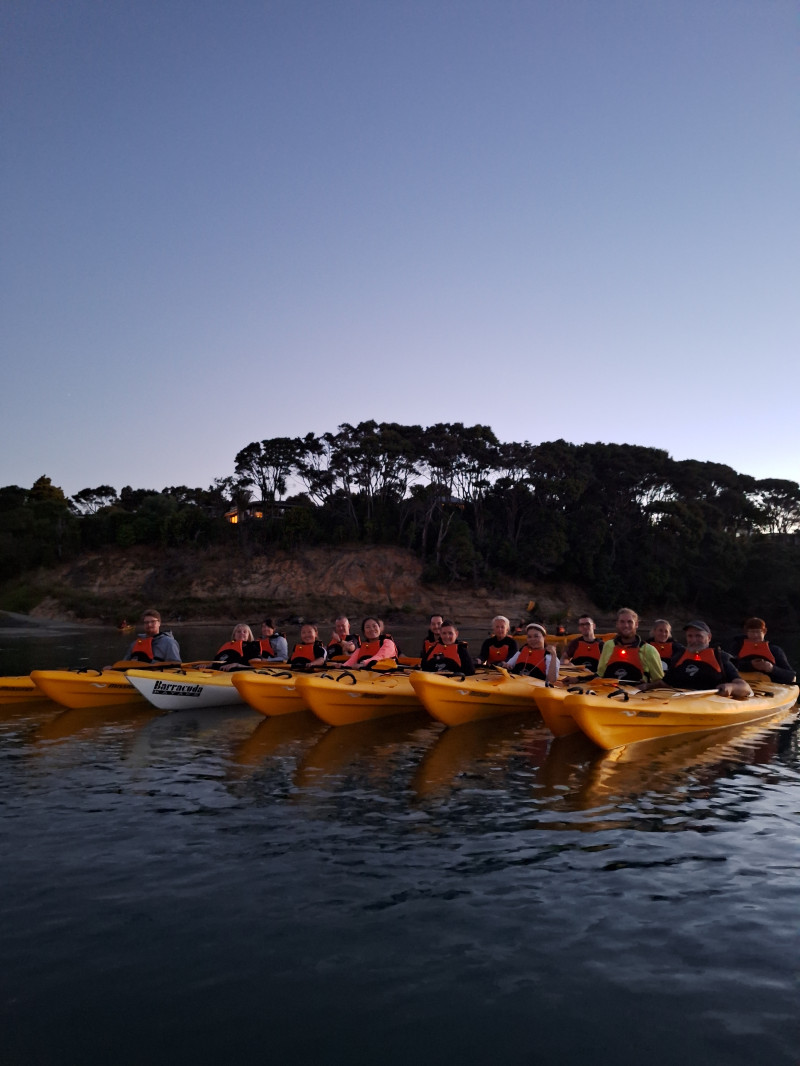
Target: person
[[448, 654], [754, 652], [239, 650], [662, 640], [273, 646], [374, 647], [433, 634], [310, 651], [627, 657], [536, 658], [153, 646], [342, 641], [699, 666], [583, 650], [500, 646]]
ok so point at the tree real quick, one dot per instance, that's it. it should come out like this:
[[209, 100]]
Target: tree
[[90, 501]]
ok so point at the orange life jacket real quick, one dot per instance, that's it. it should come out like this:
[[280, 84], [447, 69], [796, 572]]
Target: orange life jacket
[[630, 663], [531, 662], [370, 648], [266, 649], [499, 655], [697, 669], [142, 650], [753, 649], [587, 653], [665, 650], [306, 653], [444, 655]]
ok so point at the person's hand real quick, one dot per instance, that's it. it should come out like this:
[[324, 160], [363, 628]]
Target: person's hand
[[764, 666]]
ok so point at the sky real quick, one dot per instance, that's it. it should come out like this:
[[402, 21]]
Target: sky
[[228, 221]]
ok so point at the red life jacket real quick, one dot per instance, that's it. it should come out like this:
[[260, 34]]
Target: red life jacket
[[753, 649], [427, 644], [587, 653], [499, 655], [630, 663], [305, 653], [142, 650], [446, 656], [370, 648], [697, 669], [233, 645], [266, 649], [531, 662], [666, 651]]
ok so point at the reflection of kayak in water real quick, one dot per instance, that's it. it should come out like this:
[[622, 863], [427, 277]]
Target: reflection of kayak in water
[[85, 719], [272, 736], [464, 751], [624, 718], [338, 749], [346, 697]]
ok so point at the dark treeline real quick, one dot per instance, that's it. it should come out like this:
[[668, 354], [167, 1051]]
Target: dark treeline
[[626, 523]]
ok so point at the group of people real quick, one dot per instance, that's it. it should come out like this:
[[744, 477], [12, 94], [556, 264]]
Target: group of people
[[658, 661]]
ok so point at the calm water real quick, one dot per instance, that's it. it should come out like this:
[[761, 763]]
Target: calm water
[[201, 887]]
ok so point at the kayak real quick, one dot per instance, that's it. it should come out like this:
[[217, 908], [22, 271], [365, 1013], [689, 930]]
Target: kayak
[[18, 690], [487, 694], [85, 687], [621, 717], [346, 697], [456, 700], [178, 690], [270, 691], [556, 714]]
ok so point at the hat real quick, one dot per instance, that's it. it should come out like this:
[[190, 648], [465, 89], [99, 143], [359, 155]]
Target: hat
[[535, 625], [697, 625]]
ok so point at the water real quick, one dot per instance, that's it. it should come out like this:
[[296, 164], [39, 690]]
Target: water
[[203, 887]]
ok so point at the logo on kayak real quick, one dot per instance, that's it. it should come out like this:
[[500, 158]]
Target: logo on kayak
[[175, 688]]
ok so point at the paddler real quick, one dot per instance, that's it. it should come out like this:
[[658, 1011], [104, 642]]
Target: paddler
[[152, 645], [583, 650], [699, 666], [754, 652], [500, 647], [342, 641], [627, 657], [448, 655], [375, 646], [663, 641], [536, 658]]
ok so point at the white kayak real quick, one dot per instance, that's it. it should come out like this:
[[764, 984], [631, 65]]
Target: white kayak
[[180, 690]]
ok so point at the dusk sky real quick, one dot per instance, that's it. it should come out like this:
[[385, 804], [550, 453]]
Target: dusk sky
[[223, 222]]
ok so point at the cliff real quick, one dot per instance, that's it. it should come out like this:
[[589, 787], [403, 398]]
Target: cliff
[[209, 585]]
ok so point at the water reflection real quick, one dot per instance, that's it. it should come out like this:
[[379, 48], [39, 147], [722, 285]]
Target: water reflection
[[89, 720]]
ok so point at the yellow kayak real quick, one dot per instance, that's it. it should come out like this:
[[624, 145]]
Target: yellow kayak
[[91, 688], [456, 700], [346, 696], [271, 691], [556, 714], [18, 690], [620, 717]]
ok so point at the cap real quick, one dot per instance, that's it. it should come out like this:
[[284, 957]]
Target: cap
[[697, 625]]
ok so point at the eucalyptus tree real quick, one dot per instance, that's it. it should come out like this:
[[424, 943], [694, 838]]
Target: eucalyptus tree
[[267, 465], [90, 501]]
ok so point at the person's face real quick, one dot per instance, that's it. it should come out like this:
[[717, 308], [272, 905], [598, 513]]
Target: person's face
[[662, 633], [626, 624], [436, 623], [696, 639], [342, 627], [448, 634], [241, 633], [535, 638], [151, 625], [756, 634], [308, 634], [586, 628], [266, 631], [500, 628], [372, 629]]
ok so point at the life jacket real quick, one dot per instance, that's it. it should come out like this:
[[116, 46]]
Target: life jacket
[[697, 669], [429, 642], [499, 654], [446, 656], [335, 644], [625, 663], [753, 649], [531, 662], [302, 654], [266, 649], [370, 648], [236, 646], [665, 650], [142, 650], [587, 653]]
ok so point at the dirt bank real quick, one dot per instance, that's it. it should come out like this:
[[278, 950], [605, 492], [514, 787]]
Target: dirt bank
[[210, 586]]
